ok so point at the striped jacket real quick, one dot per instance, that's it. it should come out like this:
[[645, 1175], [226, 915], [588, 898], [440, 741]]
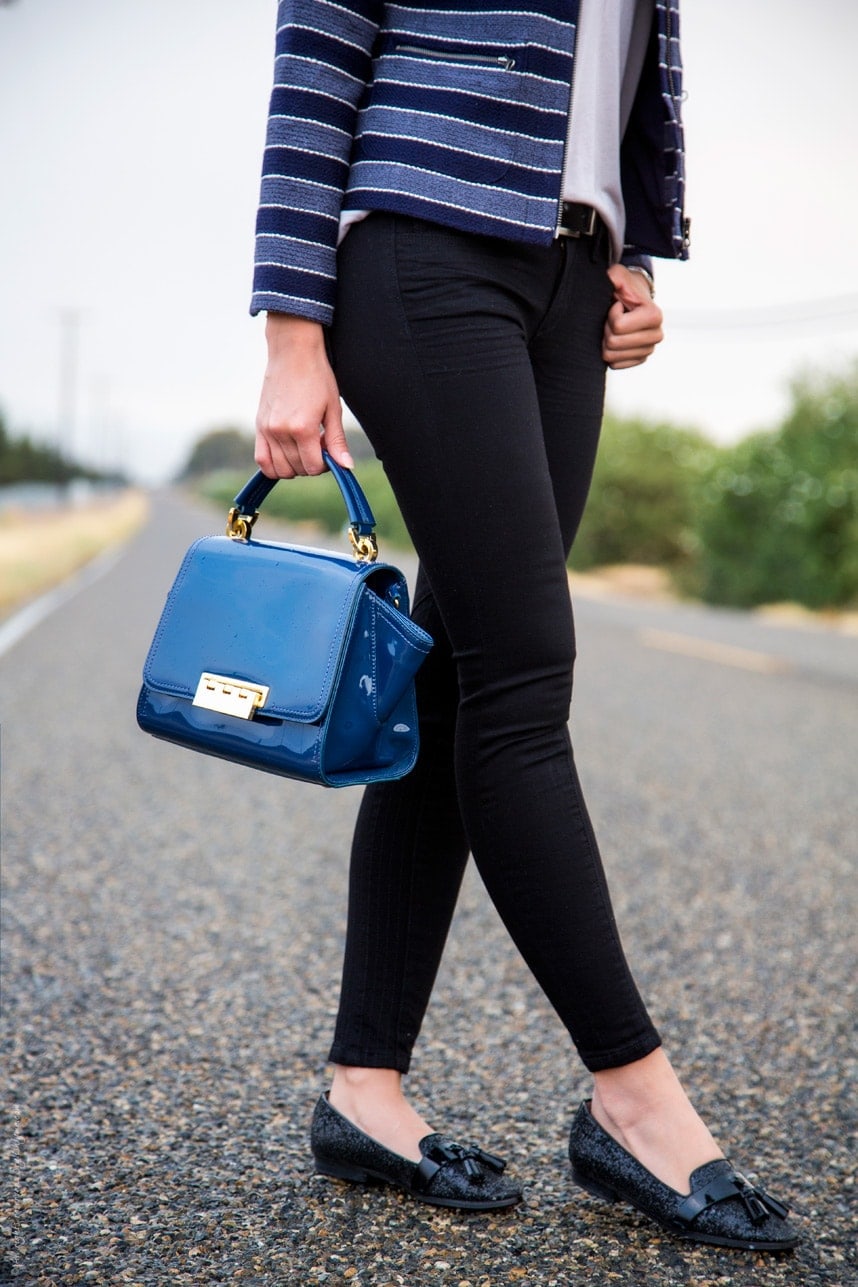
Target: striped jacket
[[455, 114]]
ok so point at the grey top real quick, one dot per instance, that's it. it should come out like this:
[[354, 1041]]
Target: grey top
[[609, 54]]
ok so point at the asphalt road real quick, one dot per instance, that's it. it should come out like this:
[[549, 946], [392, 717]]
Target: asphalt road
[[171, 956]]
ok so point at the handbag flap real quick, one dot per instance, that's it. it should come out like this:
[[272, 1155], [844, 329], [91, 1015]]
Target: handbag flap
[[268, 614]]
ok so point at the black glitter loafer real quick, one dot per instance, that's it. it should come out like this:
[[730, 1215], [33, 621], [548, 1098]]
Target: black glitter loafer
[[449, 1175], [722, 1208]]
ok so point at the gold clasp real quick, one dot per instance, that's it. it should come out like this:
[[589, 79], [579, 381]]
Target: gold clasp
[[229, 696], [238, 525], [365, 547]]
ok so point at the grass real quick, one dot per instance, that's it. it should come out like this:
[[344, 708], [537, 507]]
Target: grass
[[39, 550]]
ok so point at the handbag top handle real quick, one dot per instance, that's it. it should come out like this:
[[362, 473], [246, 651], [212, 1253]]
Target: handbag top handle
[[245, 509]]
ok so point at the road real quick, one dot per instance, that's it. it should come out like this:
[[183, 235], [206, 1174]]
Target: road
[[172, 938]]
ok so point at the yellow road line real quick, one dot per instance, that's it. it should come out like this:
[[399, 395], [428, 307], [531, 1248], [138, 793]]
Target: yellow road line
[[707, 650]]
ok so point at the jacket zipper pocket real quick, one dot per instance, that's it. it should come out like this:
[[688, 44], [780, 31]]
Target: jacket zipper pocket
[[485, 60]]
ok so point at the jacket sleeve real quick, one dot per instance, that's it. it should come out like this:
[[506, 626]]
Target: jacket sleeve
[[322, 64]]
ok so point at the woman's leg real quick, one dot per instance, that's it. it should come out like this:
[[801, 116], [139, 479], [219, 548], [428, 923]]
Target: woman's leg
[[408, 857], [432, 351], [641, 1104], [434, 356]]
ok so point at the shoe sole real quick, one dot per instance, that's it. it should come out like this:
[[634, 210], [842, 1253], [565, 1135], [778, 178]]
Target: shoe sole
[[360, 1175], [604, 1191]]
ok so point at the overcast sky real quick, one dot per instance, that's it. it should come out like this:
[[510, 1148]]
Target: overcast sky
[[130, 144]]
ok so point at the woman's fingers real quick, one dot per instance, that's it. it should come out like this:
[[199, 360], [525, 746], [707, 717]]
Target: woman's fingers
[[631, 333], [633, 326]]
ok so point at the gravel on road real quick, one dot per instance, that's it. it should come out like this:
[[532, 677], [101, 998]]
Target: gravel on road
[[172, 945]]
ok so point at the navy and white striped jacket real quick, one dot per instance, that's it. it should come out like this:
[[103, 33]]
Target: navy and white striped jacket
[[454, 114]]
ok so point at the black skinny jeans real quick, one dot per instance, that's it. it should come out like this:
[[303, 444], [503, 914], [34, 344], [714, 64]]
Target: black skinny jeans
[[474, 366]]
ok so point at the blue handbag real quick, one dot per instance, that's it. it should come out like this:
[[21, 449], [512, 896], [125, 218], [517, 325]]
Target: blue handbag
[[293, 660]]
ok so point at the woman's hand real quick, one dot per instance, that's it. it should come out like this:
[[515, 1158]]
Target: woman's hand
[[299, 409], [633, 324]]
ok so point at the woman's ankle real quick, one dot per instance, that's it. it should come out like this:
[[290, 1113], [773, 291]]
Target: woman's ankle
[[373, 1100], [351, 1081], [645, 1109], [637, 1090]]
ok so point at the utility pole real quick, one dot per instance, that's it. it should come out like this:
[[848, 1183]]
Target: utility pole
[[69, 319]]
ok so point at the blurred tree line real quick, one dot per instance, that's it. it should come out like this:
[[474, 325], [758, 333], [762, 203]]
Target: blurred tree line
[[772, 518], [226, 449], [24, 461]]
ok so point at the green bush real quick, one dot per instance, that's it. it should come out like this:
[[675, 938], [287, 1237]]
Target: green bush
[[773, 518], [778, 517], [641, 506]]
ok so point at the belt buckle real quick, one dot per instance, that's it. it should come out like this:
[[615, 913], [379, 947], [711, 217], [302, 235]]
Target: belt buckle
[[588, 231]]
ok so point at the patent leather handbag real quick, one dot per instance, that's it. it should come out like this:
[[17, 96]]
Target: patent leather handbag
[[293, 660]]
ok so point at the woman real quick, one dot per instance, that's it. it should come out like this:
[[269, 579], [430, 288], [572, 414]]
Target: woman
[[458, 208]]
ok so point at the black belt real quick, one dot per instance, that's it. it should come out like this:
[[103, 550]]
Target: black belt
[[578, 220]]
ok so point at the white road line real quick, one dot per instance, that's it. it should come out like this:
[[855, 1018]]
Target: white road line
[[13, 630], [707, 650]]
